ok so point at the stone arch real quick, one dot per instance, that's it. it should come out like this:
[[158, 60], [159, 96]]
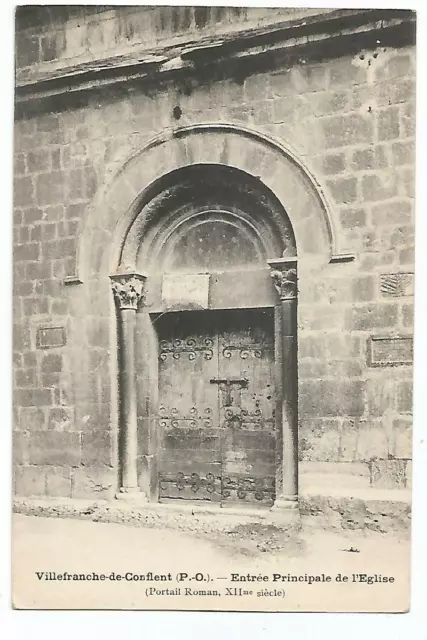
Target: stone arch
[[117, 205], [119, 209], [207, 194]]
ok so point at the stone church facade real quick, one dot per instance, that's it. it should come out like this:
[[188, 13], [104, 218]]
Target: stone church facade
[[213, 254]]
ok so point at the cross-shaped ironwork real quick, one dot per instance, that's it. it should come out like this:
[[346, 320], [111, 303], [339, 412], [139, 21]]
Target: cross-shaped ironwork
[[226, 385]]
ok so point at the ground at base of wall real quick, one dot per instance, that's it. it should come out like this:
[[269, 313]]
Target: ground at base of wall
[[251, 531]]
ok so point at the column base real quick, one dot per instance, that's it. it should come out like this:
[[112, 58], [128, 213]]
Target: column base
[[131, 494], [285, 502], [285, 511]]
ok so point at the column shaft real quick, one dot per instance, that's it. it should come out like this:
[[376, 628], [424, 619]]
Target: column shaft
[[284, 276], [128, 289], [129, 437], [289, 401]]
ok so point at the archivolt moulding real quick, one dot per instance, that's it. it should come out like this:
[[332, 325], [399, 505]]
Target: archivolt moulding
[[117, 205]]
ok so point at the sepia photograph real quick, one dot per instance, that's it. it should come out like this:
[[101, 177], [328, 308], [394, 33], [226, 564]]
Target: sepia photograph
[[213, 297]]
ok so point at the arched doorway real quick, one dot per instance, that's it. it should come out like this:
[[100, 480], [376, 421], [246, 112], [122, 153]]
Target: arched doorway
[[212, 375], [138, 231]]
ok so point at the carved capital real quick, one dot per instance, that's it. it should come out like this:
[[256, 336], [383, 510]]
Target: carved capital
[[129, 289], [285, 282]]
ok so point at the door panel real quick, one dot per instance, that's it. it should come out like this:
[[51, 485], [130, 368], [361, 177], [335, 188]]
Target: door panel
[[246, 353], [216, 400], [190, 456]]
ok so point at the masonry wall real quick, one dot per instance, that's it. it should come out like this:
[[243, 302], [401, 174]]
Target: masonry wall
[[351, 120]]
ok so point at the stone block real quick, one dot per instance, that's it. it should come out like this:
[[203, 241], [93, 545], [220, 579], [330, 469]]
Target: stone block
[[58, 482], [23, 397], [331, 398], [49, 231], [58, 448], [309, 78], [319, 440], [56, 159], [407, 182], [407, 256], [408, 472], [347, 449], [25, 377], [403, 153], [38, 160], [373, 440], [61, 419], [402, 438], [48, 122], [52, 45], [346, 71], [97, 448], [30, 481], [50, 337], [288, 109], [343, 190], [379, 187], [343, 130], [353, 218], [395, 92], [91, 181], [326, 317], [399, 65], [369, 159], [388, 473], [394, 212], [371, 316], [408, 120], [254, 87], [388, 124], [19, 448], [371, 256], [51, 363], [19, 164], [37, 270], [50, 188], [94, 482], [42, 397], [27, 252], [390, 351], [35, 306], [397, 284], [345, 368], [21, 338], [327, 102], [404, 396], [333, 163], [58, 249], [54, 213], [98, 332], [27, 49], [91, 416], [311, 368], [363, 288], [407, 315], [32, 215]]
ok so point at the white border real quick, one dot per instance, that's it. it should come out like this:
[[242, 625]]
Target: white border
[[129, 625]]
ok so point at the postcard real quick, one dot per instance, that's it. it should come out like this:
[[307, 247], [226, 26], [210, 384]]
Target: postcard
[[213, 308]]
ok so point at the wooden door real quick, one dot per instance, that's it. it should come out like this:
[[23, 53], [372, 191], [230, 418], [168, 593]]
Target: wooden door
[[248, 442], [216, 399]]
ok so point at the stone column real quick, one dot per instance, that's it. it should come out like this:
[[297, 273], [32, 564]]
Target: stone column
[[128, 291], [284, 276]]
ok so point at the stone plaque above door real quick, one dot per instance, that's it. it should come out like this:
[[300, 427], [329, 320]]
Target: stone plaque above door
[[186, 289]]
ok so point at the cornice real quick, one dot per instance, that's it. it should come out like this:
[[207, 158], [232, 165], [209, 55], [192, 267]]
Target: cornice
[[326, 34]]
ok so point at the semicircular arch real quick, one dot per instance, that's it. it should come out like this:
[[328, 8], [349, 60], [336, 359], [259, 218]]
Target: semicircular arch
[[118, 205]]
